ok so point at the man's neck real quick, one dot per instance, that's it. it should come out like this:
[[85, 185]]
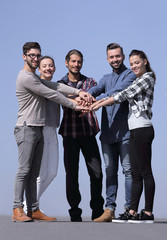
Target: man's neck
[[28, 68], [74, 77], [120, 69]]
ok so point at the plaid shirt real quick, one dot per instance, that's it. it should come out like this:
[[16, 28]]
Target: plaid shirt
[[72, 125], [139, 95]]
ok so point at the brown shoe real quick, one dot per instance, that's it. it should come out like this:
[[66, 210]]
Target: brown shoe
[[19, 215], [107, 216], [39, 216]]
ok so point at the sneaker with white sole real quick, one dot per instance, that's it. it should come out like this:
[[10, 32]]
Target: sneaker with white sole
[[125, 217], [143, 218]]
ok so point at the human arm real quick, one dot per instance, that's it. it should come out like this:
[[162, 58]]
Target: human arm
[[139, 85], [124, 80], [60, 87], [97, 89], [67, 90], [34, 86], [101, 103]]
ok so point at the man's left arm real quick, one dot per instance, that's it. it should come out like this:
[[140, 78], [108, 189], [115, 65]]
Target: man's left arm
[[60, 87], [127, 80], [67, 90]]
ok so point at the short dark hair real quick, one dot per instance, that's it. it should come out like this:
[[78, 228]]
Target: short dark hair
[[47, 57], [29, 45], [74, 51], [114, 46], [143, 56]]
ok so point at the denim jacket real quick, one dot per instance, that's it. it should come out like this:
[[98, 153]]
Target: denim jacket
[[114, 125]]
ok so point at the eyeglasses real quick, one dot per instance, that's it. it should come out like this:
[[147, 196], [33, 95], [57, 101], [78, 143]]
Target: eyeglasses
[[32, 56]]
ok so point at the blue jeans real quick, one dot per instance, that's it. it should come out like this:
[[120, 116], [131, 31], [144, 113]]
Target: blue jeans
[[111, 154], [30, 148]]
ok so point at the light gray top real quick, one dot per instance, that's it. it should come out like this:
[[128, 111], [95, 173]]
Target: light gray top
[[30, 94], [138, 122]]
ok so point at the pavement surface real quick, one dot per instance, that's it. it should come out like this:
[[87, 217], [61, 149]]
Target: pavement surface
[[63, 229]]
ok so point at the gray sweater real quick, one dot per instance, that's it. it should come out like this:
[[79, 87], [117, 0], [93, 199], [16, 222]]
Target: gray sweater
[[31, 94]]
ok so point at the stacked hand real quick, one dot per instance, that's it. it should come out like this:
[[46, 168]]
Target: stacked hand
[[86, 106], [86, 103], [87, 97], [82, 105], [83, 102], [96, 105]]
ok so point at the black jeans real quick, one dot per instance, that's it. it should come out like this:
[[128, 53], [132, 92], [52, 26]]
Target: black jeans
[[140, 157], [90, 151]]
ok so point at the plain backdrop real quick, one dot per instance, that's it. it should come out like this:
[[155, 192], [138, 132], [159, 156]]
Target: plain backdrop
[[89, 26]]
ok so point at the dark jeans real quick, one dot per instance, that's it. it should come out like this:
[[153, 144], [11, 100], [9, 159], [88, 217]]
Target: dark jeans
[[90, 151], [140, 157]]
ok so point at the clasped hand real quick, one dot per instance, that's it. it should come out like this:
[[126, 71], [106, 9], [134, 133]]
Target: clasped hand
[[85, 105]]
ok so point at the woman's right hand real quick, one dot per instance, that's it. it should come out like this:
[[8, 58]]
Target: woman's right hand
[[96, 105]]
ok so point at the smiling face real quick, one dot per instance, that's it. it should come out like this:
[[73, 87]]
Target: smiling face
[[115, 58], [74, 65], [32, 59], [138, 65], [46, 69]]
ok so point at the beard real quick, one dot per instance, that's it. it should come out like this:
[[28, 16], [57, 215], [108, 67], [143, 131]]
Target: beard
[[75, 73], [30, 64], [117, 68]]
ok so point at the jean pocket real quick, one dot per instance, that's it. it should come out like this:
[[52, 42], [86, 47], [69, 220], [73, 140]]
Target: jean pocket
[[16, 130], [19, 134]]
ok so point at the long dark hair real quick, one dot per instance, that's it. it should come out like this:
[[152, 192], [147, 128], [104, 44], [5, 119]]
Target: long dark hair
[[142, 55]]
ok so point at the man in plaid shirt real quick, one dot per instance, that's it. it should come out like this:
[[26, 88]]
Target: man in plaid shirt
[[79, 134]]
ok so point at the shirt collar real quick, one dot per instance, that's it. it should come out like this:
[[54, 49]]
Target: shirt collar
[[121, 69]]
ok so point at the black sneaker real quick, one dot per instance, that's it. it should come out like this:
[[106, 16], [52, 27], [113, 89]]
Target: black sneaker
[[125, 217], [143, 218]]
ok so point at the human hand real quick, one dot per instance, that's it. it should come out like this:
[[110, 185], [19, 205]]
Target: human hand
[[82, 108], [82, 102], [96, 105], [87, 97], [93, 107]]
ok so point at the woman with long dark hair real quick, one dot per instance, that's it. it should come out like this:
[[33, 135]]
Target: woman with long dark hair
[[140, 97]]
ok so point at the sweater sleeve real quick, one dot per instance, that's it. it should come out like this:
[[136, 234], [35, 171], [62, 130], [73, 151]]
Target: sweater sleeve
[[35, 86], [60, 87]]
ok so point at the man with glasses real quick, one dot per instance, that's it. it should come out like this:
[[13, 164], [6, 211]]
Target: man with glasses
[[28, 131]]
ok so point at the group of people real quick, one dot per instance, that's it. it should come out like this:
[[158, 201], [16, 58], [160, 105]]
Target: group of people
[[126, 134]]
